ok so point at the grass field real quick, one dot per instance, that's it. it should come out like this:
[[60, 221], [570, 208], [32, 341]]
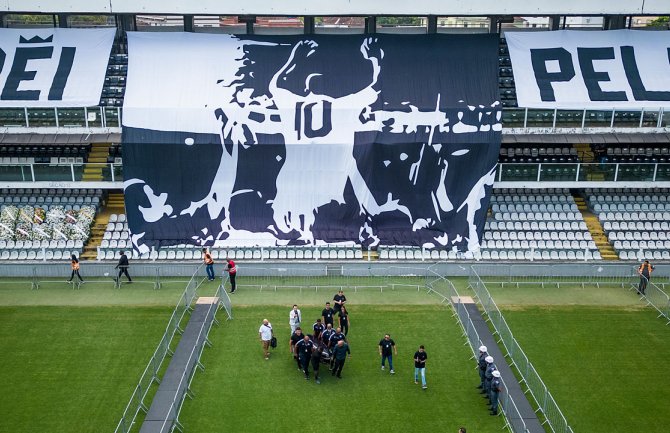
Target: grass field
[[600, 352], [245, 393], [72, 357]]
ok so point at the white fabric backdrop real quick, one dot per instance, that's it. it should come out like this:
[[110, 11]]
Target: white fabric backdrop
[[651, 55], [86, 77]]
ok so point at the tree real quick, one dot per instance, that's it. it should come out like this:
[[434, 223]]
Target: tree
[[660, 22], [399, 21]]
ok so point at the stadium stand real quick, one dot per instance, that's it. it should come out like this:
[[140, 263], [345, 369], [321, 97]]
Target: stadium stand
[[635, 221], [45, 224]]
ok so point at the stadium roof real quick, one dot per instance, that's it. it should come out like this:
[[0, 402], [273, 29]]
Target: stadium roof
[[343, 7]]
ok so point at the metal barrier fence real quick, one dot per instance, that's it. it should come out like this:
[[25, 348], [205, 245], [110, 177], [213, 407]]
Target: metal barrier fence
[[547, 275], [172, 420], [333, 278], [655, 297], [445, 289], [150, 374], [536, 387], [224, 299]]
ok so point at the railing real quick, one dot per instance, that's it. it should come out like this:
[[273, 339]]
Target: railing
[[656, 297], [583, 172], [552, 275], [72, 172], [585, 119], [150, 373], [85, 117], [446, 290], [507, 172], [526, 118], [545, 401]]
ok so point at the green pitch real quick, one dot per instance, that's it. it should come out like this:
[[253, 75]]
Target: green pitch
[[600, 352], [72, 357]]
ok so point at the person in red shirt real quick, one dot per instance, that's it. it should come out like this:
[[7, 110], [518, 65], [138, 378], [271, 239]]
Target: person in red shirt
[[232, 272]]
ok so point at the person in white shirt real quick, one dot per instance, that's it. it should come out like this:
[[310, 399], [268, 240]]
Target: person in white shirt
[[265, 334], [294, 318]]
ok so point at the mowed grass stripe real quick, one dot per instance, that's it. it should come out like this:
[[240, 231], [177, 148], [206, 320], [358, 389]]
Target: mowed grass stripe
[[604, 366], [241, 392], [70, 369]]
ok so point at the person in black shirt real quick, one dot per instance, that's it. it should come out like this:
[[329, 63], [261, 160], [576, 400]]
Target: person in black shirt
[[420, 358], [339, 299], [316, 361], [318, 329], [295, 338], [386, 349], [326, 334], [340, 355], [123, 267], [327, 315], [333, 341], [344, 320], [304, 349]]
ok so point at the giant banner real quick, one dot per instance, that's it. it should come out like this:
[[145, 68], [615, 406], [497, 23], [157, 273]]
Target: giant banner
[[53, 67], [248, 140], [573, 69]]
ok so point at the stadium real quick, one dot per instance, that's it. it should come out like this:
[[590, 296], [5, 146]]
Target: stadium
[[485, 179]]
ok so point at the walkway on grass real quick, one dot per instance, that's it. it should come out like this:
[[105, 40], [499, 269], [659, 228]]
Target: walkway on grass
[[165, 406], [526, 412]]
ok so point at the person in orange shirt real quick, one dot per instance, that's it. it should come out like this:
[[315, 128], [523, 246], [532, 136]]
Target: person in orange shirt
[[74, 264], [209, 264]]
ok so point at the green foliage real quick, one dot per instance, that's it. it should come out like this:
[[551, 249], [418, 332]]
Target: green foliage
[[660, 22], [399, 21]]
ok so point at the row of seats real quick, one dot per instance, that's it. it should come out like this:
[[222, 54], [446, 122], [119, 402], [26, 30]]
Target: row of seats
[[538, 216], [644, 235], [50, 244], [38, 254], [634, 216], [511, 196], [39, 200], [535, 207], [628, 150], [631, 207], [541, 244], [639, 255], [53, 153], [571, 235], [541, 255], [662, 197], [535, 225], [644, 245], [637, 226], [256, 253]]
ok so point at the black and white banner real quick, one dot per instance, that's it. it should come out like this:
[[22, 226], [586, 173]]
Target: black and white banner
[[309, 140], [591, 69], [53, 67]]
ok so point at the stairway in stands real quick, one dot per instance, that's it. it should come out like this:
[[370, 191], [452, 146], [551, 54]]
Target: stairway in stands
[[97, 157], [596, 230], [113, 205], [586, 156]]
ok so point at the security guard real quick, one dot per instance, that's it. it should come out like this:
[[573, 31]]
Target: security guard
[[488, 376], [304, 349], [645, 271], [496, 389], [326, 334], [333, 340], [318, 329], [481, 363]]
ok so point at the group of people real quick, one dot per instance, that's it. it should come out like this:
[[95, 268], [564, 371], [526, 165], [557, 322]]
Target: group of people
[[329, 344], [490, 382], [122, 266], [229, 267]]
